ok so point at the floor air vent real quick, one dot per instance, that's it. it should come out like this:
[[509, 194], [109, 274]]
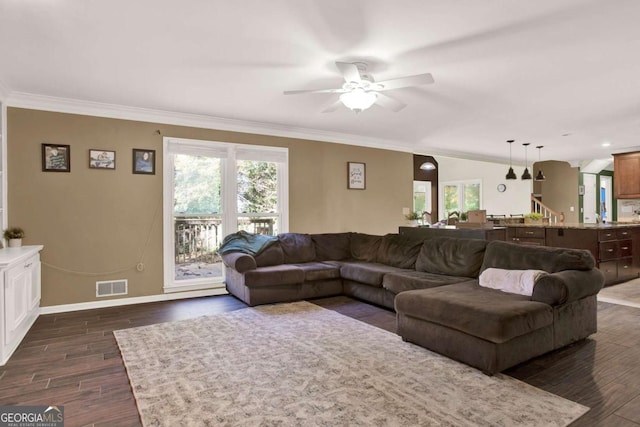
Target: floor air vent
[[111, 287]]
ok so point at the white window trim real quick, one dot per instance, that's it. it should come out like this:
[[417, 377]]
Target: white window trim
[[441, 207], [229, 214]]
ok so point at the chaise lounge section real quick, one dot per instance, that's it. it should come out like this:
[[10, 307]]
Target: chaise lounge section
[[494, 330], [434, 286]]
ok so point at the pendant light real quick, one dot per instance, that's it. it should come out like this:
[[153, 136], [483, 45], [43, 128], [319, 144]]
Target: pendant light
[[511, 174], [540, 176], [526, 174]]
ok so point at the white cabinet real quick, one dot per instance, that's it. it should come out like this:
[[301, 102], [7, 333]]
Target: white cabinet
[[19, 295]]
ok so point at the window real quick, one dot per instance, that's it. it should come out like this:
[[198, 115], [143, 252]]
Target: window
[[212, 189], [461, 196]]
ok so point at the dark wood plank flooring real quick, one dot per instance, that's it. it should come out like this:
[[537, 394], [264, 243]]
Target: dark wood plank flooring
[[72, 359]]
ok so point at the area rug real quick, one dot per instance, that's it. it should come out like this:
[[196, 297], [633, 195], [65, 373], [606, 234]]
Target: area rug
[[302, 365], [627, 293]]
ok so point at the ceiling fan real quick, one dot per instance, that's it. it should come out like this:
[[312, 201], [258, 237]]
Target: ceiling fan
[[360, 91]]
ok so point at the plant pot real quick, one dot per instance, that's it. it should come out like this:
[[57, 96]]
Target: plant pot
[[15, 243]]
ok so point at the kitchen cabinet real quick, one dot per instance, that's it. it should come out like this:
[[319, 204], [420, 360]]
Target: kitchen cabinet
[[616, 249], [535, 236], [626, 175], [19, 295], [496, 233]]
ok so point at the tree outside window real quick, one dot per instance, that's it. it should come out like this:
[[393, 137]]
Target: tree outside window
[[461, 196]]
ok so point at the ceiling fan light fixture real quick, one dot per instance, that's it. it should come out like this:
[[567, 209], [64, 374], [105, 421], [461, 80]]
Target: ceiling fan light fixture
[[358, 99]]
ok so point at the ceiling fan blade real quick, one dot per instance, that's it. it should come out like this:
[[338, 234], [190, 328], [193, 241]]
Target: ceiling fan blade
[[349, 72], [295, 92], [418, 79], [333, 107], [390, 103]]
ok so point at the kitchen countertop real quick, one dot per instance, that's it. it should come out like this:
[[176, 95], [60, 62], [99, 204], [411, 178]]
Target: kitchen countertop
[[605, 226]]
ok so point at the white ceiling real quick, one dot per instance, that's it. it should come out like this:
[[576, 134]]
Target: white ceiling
[[559, 73]]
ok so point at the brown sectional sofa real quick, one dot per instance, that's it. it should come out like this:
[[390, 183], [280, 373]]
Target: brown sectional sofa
[[433, 286]]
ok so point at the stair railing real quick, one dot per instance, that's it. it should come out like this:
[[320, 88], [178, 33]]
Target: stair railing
[[538, 207]]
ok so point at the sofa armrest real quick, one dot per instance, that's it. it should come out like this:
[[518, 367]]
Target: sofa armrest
[[567, 286], [239, 261]]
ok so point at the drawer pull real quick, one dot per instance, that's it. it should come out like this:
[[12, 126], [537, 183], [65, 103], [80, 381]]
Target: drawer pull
[[28, 265], [528, 232], [624, 248], [626, 266], [609, 250]]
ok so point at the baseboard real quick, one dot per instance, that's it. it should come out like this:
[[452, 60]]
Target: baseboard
[[129, 301]]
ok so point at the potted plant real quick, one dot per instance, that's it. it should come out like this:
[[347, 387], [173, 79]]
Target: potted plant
[[463, 216], [14, 236], [413, 217], [535, 218]]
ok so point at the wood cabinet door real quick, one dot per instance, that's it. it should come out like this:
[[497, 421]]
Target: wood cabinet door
[[626, 172]]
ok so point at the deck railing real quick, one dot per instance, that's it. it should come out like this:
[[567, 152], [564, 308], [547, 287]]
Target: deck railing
[[198, 237]]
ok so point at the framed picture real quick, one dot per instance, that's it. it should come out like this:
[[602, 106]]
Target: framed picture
[[102, 159], [56, 158], [356, 176], [144, 161]]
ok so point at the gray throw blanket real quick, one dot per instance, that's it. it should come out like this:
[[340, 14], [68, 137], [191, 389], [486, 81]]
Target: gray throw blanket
[[247, 243]]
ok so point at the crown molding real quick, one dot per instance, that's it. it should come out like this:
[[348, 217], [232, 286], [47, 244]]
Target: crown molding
[[114, 111]]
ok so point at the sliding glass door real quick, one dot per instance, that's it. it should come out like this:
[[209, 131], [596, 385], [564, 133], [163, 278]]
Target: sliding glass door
[[212, 189]]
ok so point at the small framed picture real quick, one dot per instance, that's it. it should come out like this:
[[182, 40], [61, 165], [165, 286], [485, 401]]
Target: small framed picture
[[56, 158], [102, 159], [144, 161], [356, 176], [580, 190]]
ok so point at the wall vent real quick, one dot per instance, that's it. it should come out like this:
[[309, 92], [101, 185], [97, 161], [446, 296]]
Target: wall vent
[[111, 287]]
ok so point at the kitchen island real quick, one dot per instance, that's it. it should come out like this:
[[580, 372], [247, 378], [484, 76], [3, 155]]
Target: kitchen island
[[615, 246]]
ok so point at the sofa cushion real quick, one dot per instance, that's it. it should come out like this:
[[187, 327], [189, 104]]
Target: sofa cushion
[[451, 256], [364, 247], [297, 247], [284, 274], [398, 251], [369, 273], [319, 271], [401, 281], [484, 313], [332, 246], [522, 257], [273, 255]]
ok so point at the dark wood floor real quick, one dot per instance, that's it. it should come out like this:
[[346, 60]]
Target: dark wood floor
[[72, 359]]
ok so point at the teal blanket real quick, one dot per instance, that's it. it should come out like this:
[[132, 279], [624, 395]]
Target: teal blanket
[[247, 243]]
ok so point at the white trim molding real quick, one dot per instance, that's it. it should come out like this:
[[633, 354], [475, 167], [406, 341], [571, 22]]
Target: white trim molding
[[114, 111], [63, 308], [4, 91]]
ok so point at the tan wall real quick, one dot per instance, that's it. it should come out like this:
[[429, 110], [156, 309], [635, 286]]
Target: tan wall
[[97, 221], [559, 190]]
